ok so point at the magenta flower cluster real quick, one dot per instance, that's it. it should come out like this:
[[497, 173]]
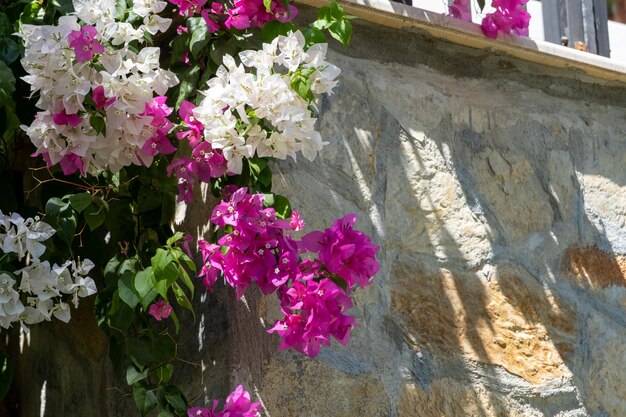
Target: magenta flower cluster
[[159, 126], [243, 15], [205, 162], [509, 17], [238, 404], [84, 43], [314, 292]]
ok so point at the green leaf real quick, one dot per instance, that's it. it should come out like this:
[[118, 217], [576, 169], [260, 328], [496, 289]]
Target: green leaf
[[165, 271], [9, 50], [165, 413], [282, 207], [176, 399], [125, 288], [268, 5], [63, 6], [144, 287], [151, 349], [302, 86], [221, 47], [120, 8], [6, 28], [32, 14], [280, 203], [200, 35], [6, 375], [94, 216], [11, 124], [342, 31], [184, 276], [164, 373], [7, 83], [265, 179], [188, 82], [79, 202], [181, 297], [67, 228], [120, 315], [133, 375], [179, 46], [175, 320], [175, 238], [161, 260], [313, 36], [98, 123], [336, 10], [144, 400], [56, 206], [274, 28], [481, 4], [324, 19]]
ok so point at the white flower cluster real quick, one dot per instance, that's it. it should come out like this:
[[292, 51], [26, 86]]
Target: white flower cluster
[[105, 16], [120, 81], [277, 121], [39, 284]]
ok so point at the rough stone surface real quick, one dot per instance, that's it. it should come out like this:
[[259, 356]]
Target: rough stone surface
[[496, 189]]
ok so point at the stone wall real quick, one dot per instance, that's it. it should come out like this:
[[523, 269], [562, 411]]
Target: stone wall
[[497, 191]]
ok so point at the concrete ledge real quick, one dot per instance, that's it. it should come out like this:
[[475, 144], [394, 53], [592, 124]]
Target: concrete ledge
[[400, 16]]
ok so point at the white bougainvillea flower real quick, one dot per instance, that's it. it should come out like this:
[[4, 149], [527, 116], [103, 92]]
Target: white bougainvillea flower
[[45, 287], [129, 81], [261, 86]]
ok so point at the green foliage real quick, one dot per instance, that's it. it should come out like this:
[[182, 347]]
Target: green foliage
[[333, 19], [279, 203]]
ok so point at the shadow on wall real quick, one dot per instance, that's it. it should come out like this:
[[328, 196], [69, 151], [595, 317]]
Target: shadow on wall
[[501, 279], [500, 216]]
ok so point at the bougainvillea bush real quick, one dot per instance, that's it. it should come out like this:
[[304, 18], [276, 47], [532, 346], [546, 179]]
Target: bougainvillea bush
[[132, 105], [126, 109]]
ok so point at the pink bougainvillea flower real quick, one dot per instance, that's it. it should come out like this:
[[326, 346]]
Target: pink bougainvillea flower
[[100, 99], [460, 9], [160, 310], [489, 27], [344, 251], [283, 15], [207, 162], [193, 128], [72, 163], [314, 311], [185, 241], [84, 43], [158, 144], [157, 109], [188, 7], [296, 221], [62, 118], [211, 18], [238, 404], [509, 17]]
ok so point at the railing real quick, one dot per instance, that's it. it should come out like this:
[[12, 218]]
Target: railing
[[579, 24]]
